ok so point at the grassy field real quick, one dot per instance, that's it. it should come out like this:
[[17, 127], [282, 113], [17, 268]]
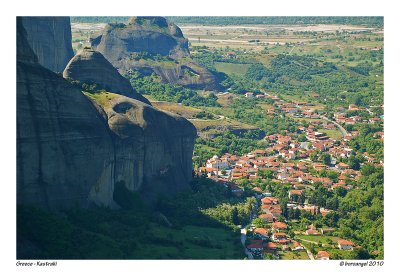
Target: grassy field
[[197, 243], [232, 68], [320, 239], [332, 133], [231, 124], [101, 98], [176, 108], [294, 255]]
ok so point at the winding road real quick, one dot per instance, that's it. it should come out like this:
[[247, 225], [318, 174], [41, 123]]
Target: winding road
[[342, 130]]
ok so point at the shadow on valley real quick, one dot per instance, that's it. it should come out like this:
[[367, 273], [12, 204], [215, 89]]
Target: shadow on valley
[[197, 224]]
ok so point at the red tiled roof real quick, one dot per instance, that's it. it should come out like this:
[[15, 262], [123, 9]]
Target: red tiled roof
[[261, 231], [279, 225], [323, 254], [345, 242], [271, 246], [255, 244]]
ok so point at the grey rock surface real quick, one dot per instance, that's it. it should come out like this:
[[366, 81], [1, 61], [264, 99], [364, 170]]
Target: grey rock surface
[[72, 148], [64, 148], [50, 39], [91, 67], [124, 45]]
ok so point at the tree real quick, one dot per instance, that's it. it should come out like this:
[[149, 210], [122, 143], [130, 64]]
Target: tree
[[302, 138], [314, 156], [258, 222], [353, 163], [235, 216], [326, 159]]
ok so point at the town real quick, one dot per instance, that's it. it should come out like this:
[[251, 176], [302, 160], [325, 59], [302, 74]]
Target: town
[[303, 161]]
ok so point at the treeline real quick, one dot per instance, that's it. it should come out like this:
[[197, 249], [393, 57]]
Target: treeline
[[296, 74], [356, 214], [376, 21], [373, 21], [151, 85], [137, 231]]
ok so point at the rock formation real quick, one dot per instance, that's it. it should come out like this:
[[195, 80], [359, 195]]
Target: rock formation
[[89, 66], [71, 150], [153, 149], [50, 39], [63, 146], [152, 45]]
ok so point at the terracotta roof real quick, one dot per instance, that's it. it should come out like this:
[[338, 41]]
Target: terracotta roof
[[345, 242], [323, 254], [255, 244], [296, 192], [261, 231], [279, 225], [271, 246], [266, 216]]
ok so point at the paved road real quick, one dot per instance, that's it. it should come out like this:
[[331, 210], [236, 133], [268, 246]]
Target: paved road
[[310, 255], [243, 232], [342, 130]]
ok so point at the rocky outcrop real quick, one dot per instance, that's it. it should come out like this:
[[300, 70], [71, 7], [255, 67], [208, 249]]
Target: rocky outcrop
[[51, 40], [71, 150], [90, 67], [63, 146], [152, 45], [153, 149]]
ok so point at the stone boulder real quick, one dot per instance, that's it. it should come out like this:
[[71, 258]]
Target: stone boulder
[[50, 39], [91, 67], [152, 45]]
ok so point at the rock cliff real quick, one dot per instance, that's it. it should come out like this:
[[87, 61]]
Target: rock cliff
[[51, 40], [90, 67], [152, 45], [63, 146], [72, 149]]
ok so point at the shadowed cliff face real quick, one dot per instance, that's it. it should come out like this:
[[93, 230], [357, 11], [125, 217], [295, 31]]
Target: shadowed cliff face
[[63, 147], [71, 150], [153, 149], [50, 39], [123, 45]]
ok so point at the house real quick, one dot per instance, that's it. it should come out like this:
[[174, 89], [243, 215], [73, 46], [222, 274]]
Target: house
[[262, 232], [255, 246], [297, 246], [294, 194], [279, 226], [345, 245], [267, 217], [353, 107], [231, 54], [373, 120], [269, 200], [323, 255], [312, 232], [342, 166], [325, 231], [249, 94], [216, 162], [279, 236], [270, 247]]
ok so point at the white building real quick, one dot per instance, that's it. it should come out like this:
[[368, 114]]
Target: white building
[[217, 163]]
